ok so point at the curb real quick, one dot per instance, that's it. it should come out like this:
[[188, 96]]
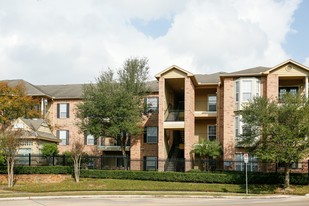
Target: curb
[[147, 196]]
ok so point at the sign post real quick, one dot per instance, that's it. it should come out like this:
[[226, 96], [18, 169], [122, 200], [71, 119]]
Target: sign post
[[246, 160]]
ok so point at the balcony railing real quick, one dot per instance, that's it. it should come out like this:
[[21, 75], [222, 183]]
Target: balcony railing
[[174, 115]]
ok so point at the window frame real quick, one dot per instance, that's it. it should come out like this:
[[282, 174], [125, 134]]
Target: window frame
[[64, 140], [210, 103], [146, 136], [63, 114], [208, 132], [154, 163], [240, 91], [150, 109]]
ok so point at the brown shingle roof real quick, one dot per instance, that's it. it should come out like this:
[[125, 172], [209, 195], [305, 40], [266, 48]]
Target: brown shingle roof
[[208, 78], [67, 91], [251, 71], [31, 89]]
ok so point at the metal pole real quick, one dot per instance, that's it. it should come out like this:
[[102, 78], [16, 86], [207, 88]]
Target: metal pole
[[246, 178]]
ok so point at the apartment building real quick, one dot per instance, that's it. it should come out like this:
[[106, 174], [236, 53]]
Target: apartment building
[[180, 110], [194, 107]]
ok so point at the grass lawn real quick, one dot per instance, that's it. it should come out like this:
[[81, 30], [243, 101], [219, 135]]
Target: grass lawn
[[137, 185]]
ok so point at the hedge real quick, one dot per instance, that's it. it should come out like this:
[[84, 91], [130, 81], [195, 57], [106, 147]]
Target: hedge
[[196, 177], [223, 177], [39, 170]]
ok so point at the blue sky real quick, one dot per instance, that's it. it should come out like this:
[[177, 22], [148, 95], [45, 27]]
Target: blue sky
[[73, 41], [297, 43]]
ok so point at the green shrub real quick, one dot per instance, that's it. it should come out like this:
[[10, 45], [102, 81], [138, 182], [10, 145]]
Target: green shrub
[[197, 177]]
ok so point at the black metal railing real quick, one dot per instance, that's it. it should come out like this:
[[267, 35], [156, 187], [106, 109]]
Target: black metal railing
[[104, 162]]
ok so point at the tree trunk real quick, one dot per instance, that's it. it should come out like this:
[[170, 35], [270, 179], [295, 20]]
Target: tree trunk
[[10, 170], [287, 175], [123, 149], [76, 168]]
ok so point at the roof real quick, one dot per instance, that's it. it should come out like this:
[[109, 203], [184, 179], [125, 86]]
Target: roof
[[208, 78], [252, 71], [173, 67], [153, 86], [30, 89], [67, 91], [35, 124]]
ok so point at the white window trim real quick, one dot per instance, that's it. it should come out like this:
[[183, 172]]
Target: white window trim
[[255, 90], [64, 140], [208, 131], [209, 104]]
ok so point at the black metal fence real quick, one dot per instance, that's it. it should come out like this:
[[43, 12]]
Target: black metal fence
[[104, 162]]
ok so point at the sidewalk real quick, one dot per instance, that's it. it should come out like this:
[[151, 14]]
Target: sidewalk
[[13, 195]]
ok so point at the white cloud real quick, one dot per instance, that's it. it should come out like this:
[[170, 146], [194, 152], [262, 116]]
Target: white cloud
[[72, 41]]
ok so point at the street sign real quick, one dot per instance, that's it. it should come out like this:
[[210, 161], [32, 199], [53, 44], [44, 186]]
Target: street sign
[[246, 158]]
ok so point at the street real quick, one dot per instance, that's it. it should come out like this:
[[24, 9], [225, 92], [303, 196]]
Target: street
[[151, 201]]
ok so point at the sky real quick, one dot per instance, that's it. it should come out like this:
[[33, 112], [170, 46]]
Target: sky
[[74, 41]]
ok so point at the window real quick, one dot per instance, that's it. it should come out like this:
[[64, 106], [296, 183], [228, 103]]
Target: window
[[89, 139], [252, 165], [150, 163], [212, 103], [151, 104], [151, 135], [237, 126], [285, 90], [63, 110], [212, 133], [63, 135], [245, 90], [237, 91]]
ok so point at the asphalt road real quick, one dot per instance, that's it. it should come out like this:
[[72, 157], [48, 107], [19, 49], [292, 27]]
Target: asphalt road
[[157, 201]]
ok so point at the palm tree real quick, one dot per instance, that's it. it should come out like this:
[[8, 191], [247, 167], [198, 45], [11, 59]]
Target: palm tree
[[207, 149]]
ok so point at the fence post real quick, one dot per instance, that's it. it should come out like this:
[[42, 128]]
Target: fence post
[[308, 172], [63, 160], [101, 162], [53, 159], [29, 159]]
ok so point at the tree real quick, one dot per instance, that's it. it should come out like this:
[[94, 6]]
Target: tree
[[13, 104], [277, 132], [207, 149], [49, 150], [76, 152], [9, 141], [113, 106]]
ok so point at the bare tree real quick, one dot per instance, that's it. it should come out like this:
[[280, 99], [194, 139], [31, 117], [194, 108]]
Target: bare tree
[[9, 141], [77, 151]]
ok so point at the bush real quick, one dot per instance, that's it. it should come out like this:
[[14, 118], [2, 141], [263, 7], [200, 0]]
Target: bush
[[39, 170], [196, 177]]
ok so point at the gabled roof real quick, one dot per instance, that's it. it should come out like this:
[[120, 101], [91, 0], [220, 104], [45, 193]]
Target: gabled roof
[[67, 91], [171, 68], [284, 63], [31, 89], [34, 125]]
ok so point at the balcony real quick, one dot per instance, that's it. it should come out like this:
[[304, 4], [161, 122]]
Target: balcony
[[174, 119], [205, 114], [112, 148], [110, 144], [205, 109]]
